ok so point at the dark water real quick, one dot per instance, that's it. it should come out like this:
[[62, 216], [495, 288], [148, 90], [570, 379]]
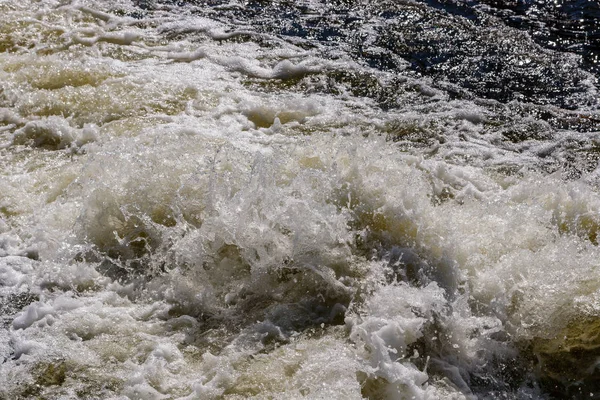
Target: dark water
[[543, 53], [566, 26]]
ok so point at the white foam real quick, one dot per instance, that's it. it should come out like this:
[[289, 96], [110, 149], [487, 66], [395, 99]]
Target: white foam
[[209, 229]]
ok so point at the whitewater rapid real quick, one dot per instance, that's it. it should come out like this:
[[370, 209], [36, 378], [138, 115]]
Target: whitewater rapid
[[193, 206]]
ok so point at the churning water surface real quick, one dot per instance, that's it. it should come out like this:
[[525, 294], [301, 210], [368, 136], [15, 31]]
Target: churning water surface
[[299, 199]]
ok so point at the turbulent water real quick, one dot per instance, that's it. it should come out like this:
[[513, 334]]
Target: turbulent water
[[299, 199]]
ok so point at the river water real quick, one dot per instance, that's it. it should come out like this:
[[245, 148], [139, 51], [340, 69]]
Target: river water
[[299, 199]]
